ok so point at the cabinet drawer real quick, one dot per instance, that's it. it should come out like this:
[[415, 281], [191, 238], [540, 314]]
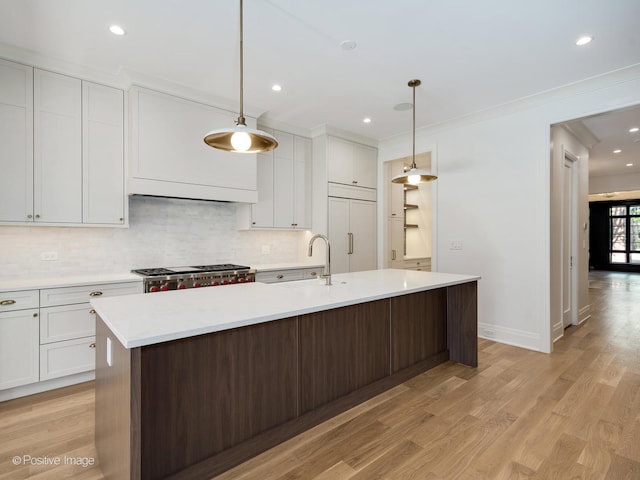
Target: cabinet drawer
[[66, 358], [276, 276], [66, 322], [418, 263], [50, 297], [312, 272], [20, 300]]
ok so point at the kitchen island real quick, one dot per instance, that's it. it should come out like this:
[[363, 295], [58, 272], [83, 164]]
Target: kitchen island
[[190, 383]]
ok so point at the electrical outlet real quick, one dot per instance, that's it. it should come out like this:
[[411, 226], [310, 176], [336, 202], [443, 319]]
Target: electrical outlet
[[49, 256], [489, 333], [455, 245]]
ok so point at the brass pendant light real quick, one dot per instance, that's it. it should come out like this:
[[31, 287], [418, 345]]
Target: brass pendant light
[[241, 139], [414, 175]]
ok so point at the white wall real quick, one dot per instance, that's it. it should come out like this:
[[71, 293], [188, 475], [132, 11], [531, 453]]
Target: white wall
[[493, 194], [162, 232]]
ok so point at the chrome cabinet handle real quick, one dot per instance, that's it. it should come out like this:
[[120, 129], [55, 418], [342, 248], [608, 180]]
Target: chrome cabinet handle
[[280, 277], [29, 216], [314, 274], [92, 345], [92, 311], [35, 315], [350, 252], [7, 302], [37, 216], [97, 293], [393, 254]]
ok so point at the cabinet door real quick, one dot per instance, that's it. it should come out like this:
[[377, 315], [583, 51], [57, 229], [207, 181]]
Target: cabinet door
[[395, 254], [262, 211], [365, 166], [57, 148], [283, 181], [103, 154], [363, 231], [16, 142], [339, 234], [19, 338], [339, 161], [302, 183], [396, 190]]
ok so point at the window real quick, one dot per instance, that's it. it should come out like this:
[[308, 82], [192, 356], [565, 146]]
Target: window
[[624, 234]]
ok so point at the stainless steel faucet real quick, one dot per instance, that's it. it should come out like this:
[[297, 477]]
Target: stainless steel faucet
[[326, 274]]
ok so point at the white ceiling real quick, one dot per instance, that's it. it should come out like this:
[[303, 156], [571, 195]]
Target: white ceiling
[[609, 132], [469, 54]]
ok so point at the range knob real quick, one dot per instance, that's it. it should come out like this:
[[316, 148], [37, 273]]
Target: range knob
[[215, 284], [197, 285], [181, 286], [251, 279], [233, 280], [242, 280], [154, 289], [164, 288], [225, 282]]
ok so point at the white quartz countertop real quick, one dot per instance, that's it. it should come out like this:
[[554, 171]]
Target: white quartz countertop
[[15, 284], [146, 319], [268, 267]]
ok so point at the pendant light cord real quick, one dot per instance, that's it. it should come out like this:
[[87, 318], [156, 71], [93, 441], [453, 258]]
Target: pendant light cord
[[241, 119], [413, 164]]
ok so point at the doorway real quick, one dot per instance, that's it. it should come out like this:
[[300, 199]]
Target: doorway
[[569, 250]]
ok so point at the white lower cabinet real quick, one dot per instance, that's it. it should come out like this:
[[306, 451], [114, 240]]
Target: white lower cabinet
[[287, 274], [50, 333], [19, 334]]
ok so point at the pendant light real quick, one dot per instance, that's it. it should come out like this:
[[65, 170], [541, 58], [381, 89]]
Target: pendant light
[[414, 175], [241, 138]]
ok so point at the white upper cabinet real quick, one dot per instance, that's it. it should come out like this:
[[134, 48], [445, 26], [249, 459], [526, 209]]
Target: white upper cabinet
[[351, 163], [169, 156], [57, 149], [103, 154], [284, 186], [16, 142], [61, 149]]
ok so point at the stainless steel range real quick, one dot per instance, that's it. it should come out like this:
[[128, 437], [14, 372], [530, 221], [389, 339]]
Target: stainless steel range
[[178, 278]]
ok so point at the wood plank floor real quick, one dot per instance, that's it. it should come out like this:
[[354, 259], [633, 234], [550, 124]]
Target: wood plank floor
[[574, 414]]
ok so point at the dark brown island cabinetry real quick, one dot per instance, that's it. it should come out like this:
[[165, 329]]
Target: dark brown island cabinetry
[[195, 407]]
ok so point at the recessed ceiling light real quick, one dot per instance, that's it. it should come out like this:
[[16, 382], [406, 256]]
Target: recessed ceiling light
[[583, 40], [117, 30], [629, 164], [617, 151], [401, 107], [276, 88], [348, 45], [634, 130], [366, 120]]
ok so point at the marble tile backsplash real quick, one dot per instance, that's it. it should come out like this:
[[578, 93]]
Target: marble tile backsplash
[[162, 232]]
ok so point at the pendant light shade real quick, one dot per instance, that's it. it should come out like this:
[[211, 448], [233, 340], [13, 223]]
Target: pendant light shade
[[241, 139], [414, 175]]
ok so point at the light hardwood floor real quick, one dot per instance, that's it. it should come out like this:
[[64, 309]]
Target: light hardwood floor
[[574, 414]]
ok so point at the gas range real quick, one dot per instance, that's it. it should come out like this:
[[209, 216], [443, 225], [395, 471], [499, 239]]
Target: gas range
[[162, 279]]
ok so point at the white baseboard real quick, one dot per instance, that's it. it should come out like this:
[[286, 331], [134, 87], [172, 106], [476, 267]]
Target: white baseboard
[[584, 313], [510, 336], [39, 387], [557, 332]]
